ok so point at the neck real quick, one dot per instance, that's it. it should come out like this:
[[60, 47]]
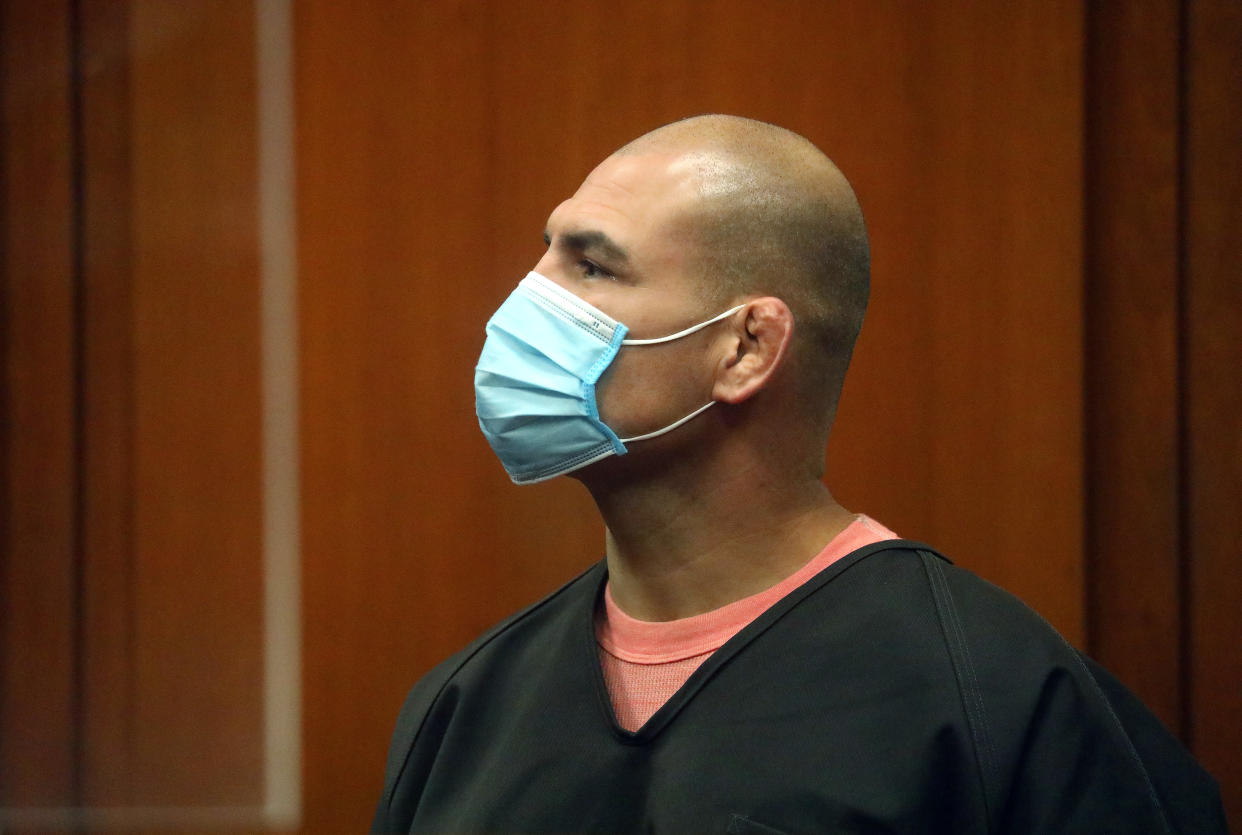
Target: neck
[[679, 546]]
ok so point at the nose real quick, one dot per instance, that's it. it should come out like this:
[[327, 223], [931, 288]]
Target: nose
[[545, 264], [549, 268]]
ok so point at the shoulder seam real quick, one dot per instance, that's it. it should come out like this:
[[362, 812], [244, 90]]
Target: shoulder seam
[[964, 673]]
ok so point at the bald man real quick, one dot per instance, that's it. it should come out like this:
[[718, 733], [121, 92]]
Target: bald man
[[749, 656]]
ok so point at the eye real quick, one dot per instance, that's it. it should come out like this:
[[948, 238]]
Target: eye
[[592, 270]]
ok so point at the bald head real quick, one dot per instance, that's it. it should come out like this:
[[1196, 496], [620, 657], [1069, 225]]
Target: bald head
[[774, 216]]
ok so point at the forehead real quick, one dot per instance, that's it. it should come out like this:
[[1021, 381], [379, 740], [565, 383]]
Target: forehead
[[639, 200]]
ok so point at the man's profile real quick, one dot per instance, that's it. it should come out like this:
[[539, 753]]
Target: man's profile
[[749, 656]]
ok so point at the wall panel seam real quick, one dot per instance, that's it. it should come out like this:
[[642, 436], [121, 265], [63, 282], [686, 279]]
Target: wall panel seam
[[77, 241], [1183, 473]]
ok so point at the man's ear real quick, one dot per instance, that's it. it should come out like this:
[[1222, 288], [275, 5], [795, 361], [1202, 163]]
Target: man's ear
[[761, 344]]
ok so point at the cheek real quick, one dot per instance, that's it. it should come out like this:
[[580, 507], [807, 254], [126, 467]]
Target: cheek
[[648, 388]]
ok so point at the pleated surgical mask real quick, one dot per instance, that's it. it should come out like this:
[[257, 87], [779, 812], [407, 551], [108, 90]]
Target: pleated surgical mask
[[534, 385]]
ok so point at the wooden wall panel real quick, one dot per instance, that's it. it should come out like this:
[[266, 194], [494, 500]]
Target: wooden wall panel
[[107, 607], [1163, 350], [1132, 382], [39, 579], [1212, 215], [132, 593], [433, 141], [197, 656]]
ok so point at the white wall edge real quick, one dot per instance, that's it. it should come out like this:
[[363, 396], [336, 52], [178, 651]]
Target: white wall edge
[[282, 686]]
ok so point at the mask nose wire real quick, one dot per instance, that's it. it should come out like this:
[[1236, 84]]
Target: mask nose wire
[[686, 332]]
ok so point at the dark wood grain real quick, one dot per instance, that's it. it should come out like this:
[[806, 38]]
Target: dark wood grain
[[1132, 281], [1213, 395], [107, 607], [38, 567]]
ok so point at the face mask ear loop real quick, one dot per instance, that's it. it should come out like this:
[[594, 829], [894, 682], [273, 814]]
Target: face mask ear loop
[[671, 426], [686, 332], [670, 338]]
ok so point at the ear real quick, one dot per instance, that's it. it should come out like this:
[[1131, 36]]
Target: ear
[[761, 344]]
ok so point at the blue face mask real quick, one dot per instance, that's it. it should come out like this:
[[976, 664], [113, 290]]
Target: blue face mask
[[534, 386]]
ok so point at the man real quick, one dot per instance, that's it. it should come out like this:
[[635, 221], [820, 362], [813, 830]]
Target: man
[[750, 656]]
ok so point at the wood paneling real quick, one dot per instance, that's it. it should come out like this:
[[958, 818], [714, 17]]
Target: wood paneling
[[196, 659], [39, 566], [433, 141], [1164, 345], [132, 574], [107, 606], [1132, 383], [1212, 342]]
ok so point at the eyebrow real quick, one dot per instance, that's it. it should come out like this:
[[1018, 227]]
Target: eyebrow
[[589, 240]]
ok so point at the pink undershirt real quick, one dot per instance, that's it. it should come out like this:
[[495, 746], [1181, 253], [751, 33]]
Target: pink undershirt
[[645, 662]]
